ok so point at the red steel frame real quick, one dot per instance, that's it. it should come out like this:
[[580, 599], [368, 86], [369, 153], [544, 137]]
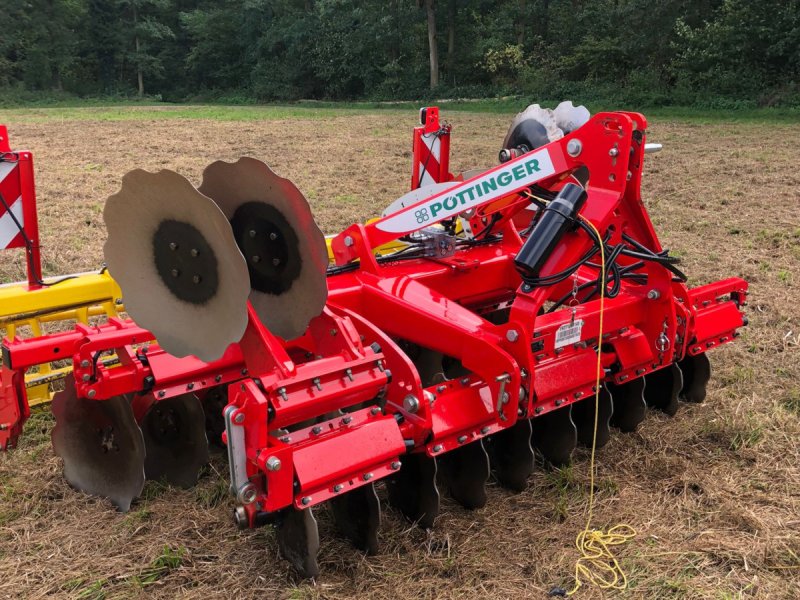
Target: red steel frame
[[351, 358]]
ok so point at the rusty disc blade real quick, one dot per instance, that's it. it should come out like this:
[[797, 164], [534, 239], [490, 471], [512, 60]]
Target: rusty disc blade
[[583, 414], [511, 455], [358, 517], [696, 374], [413, 490], [298, 540], [285, 250], [101, 445], [662, 388], [465, 471], [175, 440], [555, 436]]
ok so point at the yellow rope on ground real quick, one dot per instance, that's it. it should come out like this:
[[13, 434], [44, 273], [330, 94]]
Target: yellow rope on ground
[[597, 564]]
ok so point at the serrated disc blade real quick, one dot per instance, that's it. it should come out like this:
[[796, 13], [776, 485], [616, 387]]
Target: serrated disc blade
[[583, 414], [175, 440], [173, 254], [284, 248], [535, 126], [696, 374], [465, 470], [511, 455], [413, 490], [629, 405], [101, 445], [358, 517], [298, 540], [569, 117], [662, 388], [555, 436]]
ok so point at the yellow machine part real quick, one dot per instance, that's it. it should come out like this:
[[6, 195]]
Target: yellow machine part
[[78, 298]]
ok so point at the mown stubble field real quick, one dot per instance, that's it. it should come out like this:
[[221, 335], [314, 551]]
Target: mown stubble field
[[714, 492]]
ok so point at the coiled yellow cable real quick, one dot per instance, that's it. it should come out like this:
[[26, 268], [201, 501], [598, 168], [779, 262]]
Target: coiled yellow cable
[[597, 564]]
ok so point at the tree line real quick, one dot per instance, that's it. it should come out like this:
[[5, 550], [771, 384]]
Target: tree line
[[716, 53]]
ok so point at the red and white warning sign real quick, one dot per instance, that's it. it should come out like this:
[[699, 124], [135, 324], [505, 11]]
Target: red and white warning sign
[[12, 218]]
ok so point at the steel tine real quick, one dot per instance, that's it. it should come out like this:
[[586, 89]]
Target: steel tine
[[511, 455], [175, 440], [413, 491], [357, 515], [465, 470], [298, 540], [555, 436], [629, 405], [696, 374], [662, 389], [583, 415]]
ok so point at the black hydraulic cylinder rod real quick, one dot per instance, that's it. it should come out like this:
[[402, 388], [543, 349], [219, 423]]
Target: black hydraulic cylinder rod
[[556, 219]]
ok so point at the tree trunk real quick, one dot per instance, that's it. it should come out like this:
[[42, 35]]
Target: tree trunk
[[430, 9], [451, 33], [523, 15], [139, 75]]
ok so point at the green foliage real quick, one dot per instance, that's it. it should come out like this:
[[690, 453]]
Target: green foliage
[[713, 54]]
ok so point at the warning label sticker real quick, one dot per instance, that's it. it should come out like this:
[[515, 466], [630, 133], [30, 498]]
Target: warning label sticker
[[569, 333]]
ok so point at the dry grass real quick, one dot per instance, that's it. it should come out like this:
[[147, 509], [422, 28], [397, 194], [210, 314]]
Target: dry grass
[[713, 492]]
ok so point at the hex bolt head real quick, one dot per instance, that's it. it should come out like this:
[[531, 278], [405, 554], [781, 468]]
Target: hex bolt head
[[396, 465], [653, 295], [349, 241], [366, 476], [316, 430], [338, 488], [306, 500], [85, 377], [273, 463], [347, 420], [462, 439], [85, 364], [437, 448], [239, 418], [512, 335], [91, 393], [485, 429], [411, 403], [613, 152], [574, 147]]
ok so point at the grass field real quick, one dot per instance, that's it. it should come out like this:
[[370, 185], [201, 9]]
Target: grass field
[[714, 492]]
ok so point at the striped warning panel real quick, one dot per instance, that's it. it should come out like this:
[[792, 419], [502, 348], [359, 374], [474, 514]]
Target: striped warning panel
[[430, 157], [11, 217]]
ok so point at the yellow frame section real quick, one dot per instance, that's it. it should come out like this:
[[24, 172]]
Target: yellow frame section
[[83, 296]]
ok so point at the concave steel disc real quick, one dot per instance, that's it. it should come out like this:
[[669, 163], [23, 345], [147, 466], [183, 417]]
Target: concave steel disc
[[282, 244], [535, 126], [101, 445], [173, 254], [569, 117], [175, 440]]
